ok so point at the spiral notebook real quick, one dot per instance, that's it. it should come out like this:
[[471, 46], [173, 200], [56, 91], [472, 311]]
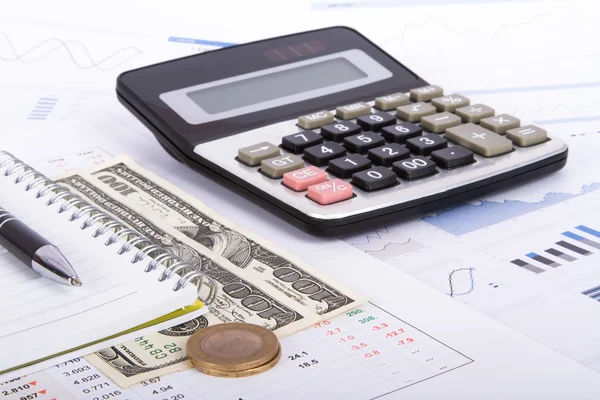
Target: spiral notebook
[[130, 285]]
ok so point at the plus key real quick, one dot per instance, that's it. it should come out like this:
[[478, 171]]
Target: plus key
[[478, 139]]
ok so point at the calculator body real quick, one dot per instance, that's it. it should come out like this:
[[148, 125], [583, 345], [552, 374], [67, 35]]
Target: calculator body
[[209, 110]]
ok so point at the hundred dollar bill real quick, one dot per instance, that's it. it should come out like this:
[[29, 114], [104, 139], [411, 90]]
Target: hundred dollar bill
[[238, 298], [157, 199]]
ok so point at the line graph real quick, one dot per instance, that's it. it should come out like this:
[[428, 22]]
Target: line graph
[[77, 52], [384, 243], [467, 217], [451, 283]]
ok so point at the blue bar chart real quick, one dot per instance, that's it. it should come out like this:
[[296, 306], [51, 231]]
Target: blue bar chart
[[579, 241], [594, 293]]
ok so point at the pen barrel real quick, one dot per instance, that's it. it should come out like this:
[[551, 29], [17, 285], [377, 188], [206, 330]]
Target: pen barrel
[[19, 239]]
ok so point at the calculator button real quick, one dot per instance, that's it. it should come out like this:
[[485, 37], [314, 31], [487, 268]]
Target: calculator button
[[339, 130], [374, 179], [376, 121], [277, 166], [474, 113], [414, 168], [438, 123], [452, 157], [527, 135], [297, 142], [363, 142], [426, 93], [450, 103], [401, 132], [424, 145], [482, 141], [346, 166], [300, 179], [389, 102], [350, 111], [321, 154], [414, 112], [500, 123], [253, 155], [315, 120], [388, 154], [329, 192]]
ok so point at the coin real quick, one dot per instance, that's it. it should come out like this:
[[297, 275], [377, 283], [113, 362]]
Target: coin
[[240, 374], [233, 346]]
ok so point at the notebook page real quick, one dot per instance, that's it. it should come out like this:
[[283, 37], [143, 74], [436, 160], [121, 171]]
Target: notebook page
[[39, 317]]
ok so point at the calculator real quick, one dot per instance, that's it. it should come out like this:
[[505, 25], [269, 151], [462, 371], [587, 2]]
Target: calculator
[[331, 133]]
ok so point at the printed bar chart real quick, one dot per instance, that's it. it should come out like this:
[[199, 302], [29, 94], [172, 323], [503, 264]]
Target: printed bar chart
[[577, 244], [594, 293]]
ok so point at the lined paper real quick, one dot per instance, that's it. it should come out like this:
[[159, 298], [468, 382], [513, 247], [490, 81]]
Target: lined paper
[[40, 317]]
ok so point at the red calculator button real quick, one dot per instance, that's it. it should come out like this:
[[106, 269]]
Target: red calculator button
[[300, 179], [330, 192]]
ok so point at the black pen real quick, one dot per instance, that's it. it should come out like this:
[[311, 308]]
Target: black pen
[[35, 251]]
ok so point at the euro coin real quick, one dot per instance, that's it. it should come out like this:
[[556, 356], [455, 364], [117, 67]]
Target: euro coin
[[241, 374], [232, 347]]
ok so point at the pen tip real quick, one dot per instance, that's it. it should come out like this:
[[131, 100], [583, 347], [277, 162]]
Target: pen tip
[[75, 281]]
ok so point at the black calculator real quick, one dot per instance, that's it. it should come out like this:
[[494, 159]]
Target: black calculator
[[331, 133]]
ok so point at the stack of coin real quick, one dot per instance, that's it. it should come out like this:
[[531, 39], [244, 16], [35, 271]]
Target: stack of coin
[[233, 350]]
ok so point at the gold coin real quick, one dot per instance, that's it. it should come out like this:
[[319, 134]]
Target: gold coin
[[240, 374], [234, 346]]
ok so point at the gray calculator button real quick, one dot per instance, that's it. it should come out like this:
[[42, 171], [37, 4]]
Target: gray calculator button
[[253, 155], [450, 102], [527, 135], [474, 113], [500, 123], [426, 93], [482, 141], [354, 110], [389, 102], [414, 112], [438, 123], [315, 120], [277, 166]]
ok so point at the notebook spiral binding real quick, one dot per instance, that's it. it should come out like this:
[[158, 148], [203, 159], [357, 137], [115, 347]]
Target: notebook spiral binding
[[171, 262]]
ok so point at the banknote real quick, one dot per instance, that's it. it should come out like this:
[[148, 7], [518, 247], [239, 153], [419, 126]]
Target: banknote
[[238, 299], [157, 199]]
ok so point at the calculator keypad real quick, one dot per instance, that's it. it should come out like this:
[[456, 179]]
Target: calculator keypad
[[500, 123], [361, 143], [374, 179], [330, 192], [388, 154], [475, 113], [321, 154], [438, 123], [253, 155], [414, 112], [401, 132], [414, 168], [528, 135], [297, 142], [452, 157], [339, 130], [482, 141], [314, 120], [277, 166], [375, 147], [350, 111], [344, 167], [424, 145], [300, 179], [376, 121]]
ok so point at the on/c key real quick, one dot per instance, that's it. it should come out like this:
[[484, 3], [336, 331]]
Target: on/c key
[[330, 192]]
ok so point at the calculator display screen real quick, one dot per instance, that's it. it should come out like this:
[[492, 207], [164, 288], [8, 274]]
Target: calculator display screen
[[276, 85], [269, 88]]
